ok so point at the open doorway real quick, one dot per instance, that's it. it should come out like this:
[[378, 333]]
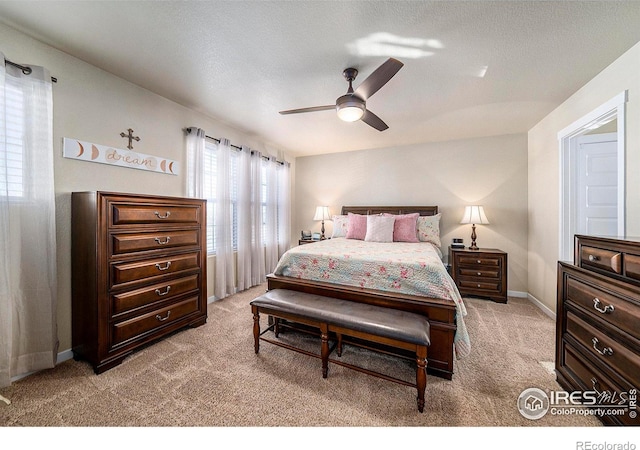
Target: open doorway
[[592, 174]]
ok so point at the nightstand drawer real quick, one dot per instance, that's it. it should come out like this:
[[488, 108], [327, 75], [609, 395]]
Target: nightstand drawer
[[477, 260], [476, 284], [479, 272]]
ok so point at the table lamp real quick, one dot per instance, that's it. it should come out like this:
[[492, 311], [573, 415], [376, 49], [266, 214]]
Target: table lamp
[[322, 213], [474, 215]]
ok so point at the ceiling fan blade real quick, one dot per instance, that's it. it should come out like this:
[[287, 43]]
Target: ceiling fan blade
[[311, 109], [378, 78], [372, 120]]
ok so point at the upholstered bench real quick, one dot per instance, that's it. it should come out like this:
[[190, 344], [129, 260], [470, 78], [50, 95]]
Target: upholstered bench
[[336, 317]]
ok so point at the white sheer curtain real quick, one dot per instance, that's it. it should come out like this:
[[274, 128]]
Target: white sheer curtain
[[284, 207], [195, 162], [271, 216], [250, 248], [223, 223], [249, 206], [28, 285]]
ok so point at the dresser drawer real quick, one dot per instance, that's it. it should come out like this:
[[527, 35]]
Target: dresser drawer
[[632, 266], [474, 261], [130, 329], [602, 259], [126, 272], [607, 306], [136, 242], [592, 379], [132, 213], [131, 300], [604, 348], [480, 272]]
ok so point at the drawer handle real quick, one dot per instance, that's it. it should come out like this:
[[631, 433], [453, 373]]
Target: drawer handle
[[606, 310], [165, 267], [163, 293], [479, 261], [159, 216], [607, 351], [478, 285], [479, 274], [162, 319], [595, 383], [166, 241], [594, 258]]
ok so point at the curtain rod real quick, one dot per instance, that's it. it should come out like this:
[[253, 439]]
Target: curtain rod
[[25, 69], [240, 148]]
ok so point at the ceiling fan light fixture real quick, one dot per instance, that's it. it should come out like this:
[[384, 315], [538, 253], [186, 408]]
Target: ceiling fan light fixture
[[350, 108]]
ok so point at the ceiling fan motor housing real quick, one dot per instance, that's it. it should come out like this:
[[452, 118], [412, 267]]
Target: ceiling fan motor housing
[[350, 108]]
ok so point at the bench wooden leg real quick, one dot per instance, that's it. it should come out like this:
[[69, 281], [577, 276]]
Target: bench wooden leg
[[339, 346], [256, 328], [421, 374], [276, 327], [324, 352]]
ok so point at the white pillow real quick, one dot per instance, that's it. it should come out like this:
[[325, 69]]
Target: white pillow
[[379, 229], [340, 226]]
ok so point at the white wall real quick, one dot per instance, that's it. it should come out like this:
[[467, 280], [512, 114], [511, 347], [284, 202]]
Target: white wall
[[92, 105], [491, 171], [544, 168]]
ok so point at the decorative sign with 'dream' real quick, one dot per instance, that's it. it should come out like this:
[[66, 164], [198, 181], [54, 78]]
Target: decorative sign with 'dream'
[[86, 151]]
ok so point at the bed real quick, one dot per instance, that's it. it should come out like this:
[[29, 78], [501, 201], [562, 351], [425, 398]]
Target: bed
[[401, 275]]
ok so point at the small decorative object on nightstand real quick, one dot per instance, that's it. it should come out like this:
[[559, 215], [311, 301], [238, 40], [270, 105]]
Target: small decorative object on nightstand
[[322, 213], [474, 215], [480, 273]]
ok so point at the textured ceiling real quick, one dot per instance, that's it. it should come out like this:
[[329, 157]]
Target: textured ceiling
[[474, 68]]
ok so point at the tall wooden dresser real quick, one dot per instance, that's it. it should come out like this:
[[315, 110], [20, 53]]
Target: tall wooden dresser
[[598, 323], [138, 272]]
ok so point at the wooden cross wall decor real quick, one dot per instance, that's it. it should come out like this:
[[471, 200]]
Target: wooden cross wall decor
[[131, 137]]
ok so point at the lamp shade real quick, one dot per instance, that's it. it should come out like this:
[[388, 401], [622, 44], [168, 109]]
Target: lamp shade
[[322, 213], [475, 215]]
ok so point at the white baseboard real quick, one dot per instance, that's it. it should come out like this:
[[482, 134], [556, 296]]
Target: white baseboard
[[64, 356], [518, 294], [545, 309]]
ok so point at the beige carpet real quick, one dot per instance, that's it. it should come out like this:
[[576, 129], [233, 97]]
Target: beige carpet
[[211, 377]]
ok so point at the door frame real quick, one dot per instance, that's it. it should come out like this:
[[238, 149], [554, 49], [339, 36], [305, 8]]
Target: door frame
[[613, 109]]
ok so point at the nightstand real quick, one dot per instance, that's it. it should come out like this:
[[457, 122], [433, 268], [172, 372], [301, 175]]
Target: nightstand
[[306, 241], [480, 273]]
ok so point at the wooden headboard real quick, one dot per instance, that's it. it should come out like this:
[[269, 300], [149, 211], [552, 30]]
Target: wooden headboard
[[366, 210]]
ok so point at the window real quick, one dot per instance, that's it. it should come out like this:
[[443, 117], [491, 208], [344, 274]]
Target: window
[[210, 193], [269, 197], [12, 132]]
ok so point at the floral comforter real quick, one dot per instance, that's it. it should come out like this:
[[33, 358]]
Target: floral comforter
[[408, 268]]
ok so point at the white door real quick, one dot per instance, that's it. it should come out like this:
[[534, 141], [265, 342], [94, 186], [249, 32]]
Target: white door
[[597, 185]]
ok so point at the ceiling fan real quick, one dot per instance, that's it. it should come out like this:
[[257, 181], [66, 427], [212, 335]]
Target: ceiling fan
[[353, 105]]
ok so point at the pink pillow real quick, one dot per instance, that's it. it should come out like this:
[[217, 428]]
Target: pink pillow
[[379, 229], [405, 228], [357, 228]]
